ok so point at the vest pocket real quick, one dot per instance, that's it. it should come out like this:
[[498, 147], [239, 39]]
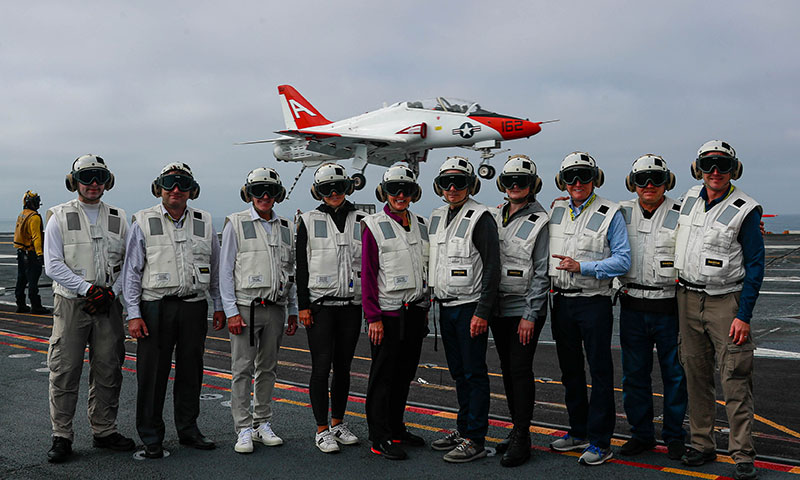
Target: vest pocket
[[590, 247], [203, 273]]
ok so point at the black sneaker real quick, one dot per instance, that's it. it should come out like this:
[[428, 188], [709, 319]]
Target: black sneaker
[[23, 309], [115, 441], [408, 438], [745, 471], [635, 446], [675, 449], [60, 451], [389, 450], [519, 449], [695, 458], [153, 451], [40, 310]]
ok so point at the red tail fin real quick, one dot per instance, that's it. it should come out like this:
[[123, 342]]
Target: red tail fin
[[298, 113]]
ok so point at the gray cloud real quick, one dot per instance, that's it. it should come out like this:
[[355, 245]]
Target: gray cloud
[[146, 83]]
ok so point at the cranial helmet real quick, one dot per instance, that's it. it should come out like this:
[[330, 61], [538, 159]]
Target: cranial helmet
[[87, 162], [521, 165], [398, 172], [723, 148], [264, 176], [156, 186], [577, 160], [463, 165], [649, 162], [31, 200], [331, 172]]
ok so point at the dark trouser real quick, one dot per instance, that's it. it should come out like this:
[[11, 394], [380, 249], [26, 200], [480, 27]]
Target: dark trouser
[[638, 332], [332, 340], [28, 272], [394, 364], [585, 323], [172, 325], [466, 360], [516, 363]]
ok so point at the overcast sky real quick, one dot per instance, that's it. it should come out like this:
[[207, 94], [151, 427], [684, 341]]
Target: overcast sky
[[146, 83]]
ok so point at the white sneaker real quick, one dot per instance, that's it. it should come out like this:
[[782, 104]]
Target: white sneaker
[[245, 442], [343, 435], [326, 443], [265, 435]]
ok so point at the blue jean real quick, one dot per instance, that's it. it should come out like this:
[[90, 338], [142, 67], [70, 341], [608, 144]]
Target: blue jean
[[466, 360], [639, 331], [585, 323]]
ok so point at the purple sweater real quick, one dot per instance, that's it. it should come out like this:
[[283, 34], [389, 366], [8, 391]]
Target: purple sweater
[[370, 264]]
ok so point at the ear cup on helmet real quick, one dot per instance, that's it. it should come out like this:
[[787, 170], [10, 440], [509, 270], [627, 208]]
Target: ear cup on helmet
[[415, 198], [500, 185], [537, 185], [379, 194], [437, 189], [243, 194], [195, 192], [476, 185], [351, 186], [281, 196], [630, 185], [560, 183], [155, 189], [736, 174], [314, 193], [70, 183], [671, 181], [696, 173], [599, 178], [110, 182]]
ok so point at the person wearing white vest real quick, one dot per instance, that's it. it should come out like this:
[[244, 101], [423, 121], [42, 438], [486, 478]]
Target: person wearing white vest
[[256, 284], [589, 247], [171, 267], [83, 252], [521, 309], [649, 313], [328, 269], [394, 286], [464, 272], [719, 255]]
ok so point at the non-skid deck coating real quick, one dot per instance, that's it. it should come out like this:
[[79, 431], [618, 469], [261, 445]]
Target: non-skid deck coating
[[25, 428]]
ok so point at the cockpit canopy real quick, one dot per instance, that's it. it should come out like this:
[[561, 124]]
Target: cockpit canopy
[[455, 105]]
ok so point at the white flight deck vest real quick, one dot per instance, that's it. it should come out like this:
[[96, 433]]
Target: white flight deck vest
[[178, 260], [93, 252], [455, 266], [706, 249], [264, 264], [403, 259], [334, 258], [584, 239], [652, 248], [517, 240]]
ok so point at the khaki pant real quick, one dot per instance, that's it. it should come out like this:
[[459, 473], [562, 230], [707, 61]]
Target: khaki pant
[[705, 322], [73, 329], [259, 361]]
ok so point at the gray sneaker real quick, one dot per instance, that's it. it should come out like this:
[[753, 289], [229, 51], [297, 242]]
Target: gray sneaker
[[466, 451], [569, 444], [448, 442], [594, 455]]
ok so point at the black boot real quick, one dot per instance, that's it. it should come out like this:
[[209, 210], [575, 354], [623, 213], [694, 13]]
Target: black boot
[[21, 306], [519, 450], [36, 306]]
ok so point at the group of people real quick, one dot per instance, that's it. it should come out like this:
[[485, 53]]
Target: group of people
[[688, 275]]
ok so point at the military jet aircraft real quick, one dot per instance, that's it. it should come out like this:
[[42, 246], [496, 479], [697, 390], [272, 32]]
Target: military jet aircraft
[[404, 131]]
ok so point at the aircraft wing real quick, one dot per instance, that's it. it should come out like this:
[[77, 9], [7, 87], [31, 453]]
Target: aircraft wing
[[339, 140]]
